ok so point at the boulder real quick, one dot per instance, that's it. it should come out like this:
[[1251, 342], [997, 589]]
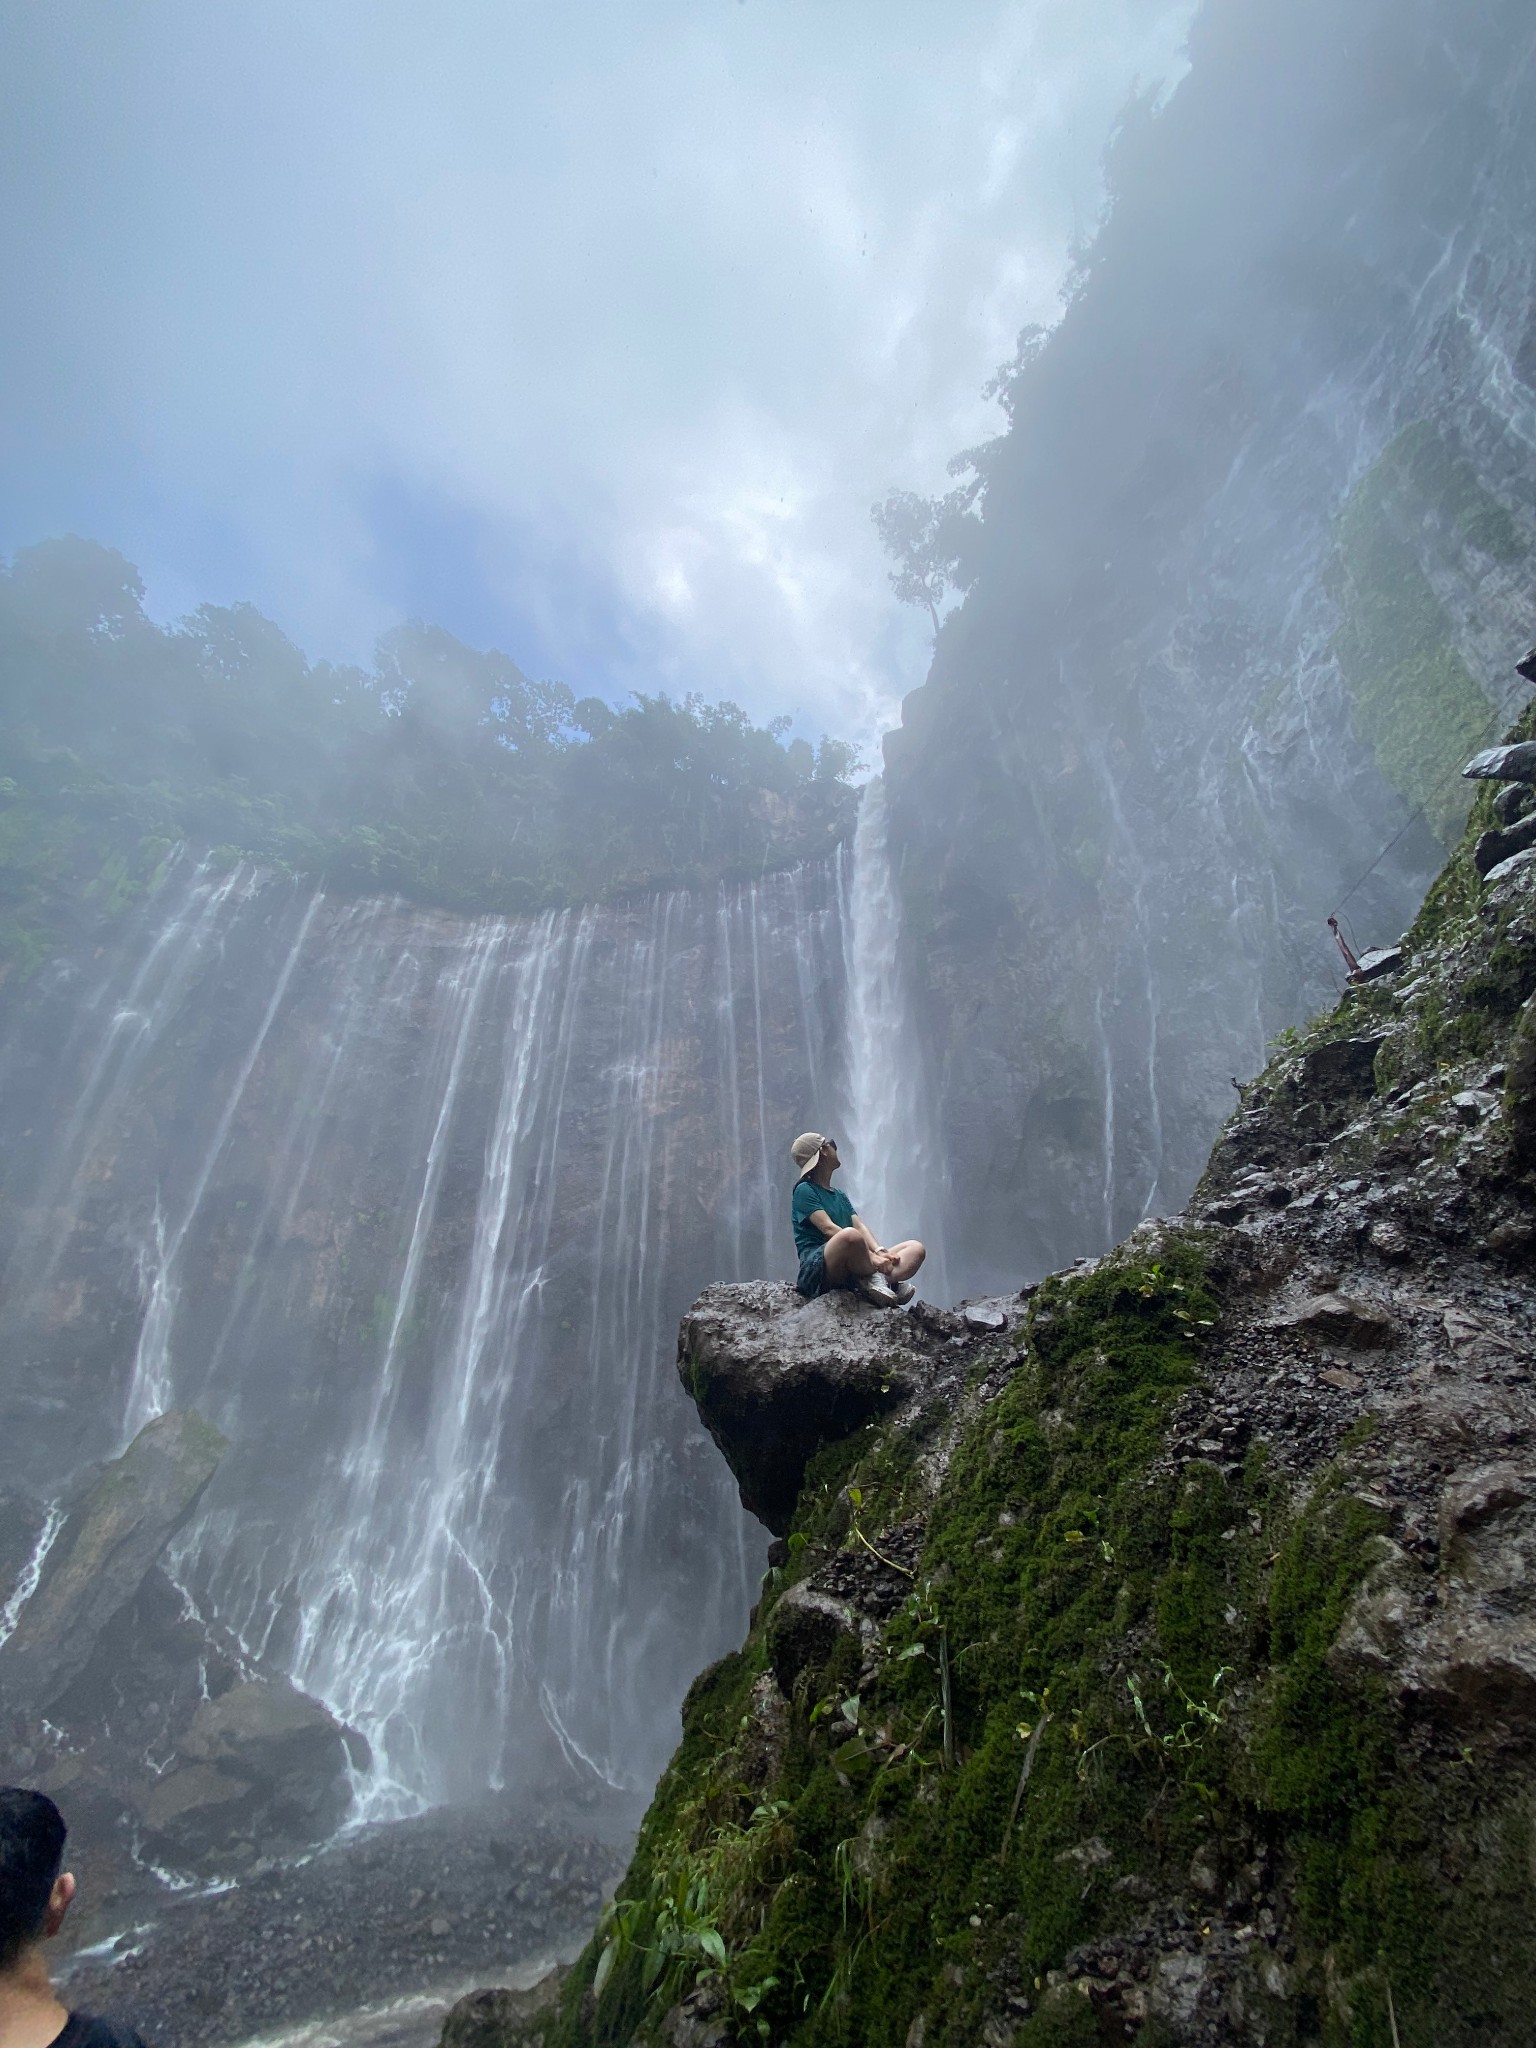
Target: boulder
[[1377, 962], [195, 1804], [774, 1377], [1472, 1105], [262, 1761], [1338, 1319], [803, 1630], [1462, 1647], [504, 2018], [1518, 866], [1340, 1069], [1515, 763], [1520, 1086], [987, 1318], [1496, 846], [104, 1552]]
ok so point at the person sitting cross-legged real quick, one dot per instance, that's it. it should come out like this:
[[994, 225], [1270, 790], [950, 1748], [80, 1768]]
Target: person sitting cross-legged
[[35, 1894], [836, 1247]]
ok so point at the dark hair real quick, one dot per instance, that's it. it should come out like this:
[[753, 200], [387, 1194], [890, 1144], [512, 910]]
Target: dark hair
[[31, 1856]]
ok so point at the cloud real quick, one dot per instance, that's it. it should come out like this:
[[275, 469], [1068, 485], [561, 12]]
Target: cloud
[[594, 330]]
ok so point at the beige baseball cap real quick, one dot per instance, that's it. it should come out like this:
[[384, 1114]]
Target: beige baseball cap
[[805, 1151]]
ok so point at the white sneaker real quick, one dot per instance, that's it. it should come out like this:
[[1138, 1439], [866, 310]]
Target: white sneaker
[[876, 1293], [903, 1290]]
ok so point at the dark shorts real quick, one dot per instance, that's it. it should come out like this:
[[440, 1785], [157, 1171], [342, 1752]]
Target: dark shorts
[[812, 1277]]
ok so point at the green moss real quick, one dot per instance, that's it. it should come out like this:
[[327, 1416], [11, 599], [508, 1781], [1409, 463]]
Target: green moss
[[1506, 979], [1408, 1864], [1066, 2020], [1414, 697], [1321, 1751], [1423, 464], [1049, 1552], [1170, 1628]]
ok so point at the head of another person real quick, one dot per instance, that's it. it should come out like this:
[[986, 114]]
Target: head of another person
[[35, 1888]]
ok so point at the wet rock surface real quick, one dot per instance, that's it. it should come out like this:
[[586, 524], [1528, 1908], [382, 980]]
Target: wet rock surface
[[104, 1552], [775, 1376], [448, 1900], [262, 1757], [147, 1723], [485, 2019], [1513, 763]]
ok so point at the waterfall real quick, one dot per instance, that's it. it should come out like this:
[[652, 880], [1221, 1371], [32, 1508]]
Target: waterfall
[[892, 1164], [149, 1389], [409, 1205], [28, 1578]]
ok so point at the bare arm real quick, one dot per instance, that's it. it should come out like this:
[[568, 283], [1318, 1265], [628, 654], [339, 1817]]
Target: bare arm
[[882, 1258], [820, 1220]]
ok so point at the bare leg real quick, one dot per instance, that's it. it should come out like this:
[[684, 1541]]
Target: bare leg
[[909, 1255], [848, 1257]]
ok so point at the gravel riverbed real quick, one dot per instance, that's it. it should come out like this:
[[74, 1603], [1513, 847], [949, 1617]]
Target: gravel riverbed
[[367, 1941]]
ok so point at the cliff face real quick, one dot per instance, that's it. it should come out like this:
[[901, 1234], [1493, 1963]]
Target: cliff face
[[1157, 1657], [404, 1202], [1253, 564]]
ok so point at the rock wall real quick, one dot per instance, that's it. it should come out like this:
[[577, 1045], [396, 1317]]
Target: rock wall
[[1254, 564], [405, 1204]]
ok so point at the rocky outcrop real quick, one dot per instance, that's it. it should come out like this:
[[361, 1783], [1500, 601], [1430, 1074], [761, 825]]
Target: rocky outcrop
[[1516, 763], [504, 2018], [1127, 1667], [263, 1764], [120, 1699], [105, 1551], [775, 1376]]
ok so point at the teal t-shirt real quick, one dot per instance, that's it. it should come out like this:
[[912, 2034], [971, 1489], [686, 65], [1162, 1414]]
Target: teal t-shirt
[[809, 1197]]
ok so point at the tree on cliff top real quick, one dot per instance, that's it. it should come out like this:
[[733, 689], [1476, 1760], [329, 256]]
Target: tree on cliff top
[[443, 773]]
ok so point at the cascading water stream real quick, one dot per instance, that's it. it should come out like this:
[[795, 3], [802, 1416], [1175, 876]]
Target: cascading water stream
[[893, 1169], [422, 1199], [150, 1387], [30, 1575]]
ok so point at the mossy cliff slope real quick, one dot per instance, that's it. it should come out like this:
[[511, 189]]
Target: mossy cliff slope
[[1162, 1665]]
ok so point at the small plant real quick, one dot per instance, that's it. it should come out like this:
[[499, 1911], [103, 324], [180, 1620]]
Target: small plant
[[857, 1890], [682, 1927], [920, 1611], [1201, 1717], [856, 1502]]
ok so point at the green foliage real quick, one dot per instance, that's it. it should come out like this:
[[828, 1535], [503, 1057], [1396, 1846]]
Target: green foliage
[[677, 1932], [445, 775]]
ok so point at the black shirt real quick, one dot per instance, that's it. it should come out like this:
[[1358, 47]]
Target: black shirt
[[82, 2030]]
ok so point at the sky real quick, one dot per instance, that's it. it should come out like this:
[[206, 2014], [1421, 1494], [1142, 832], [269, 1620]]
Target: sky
[[591, 332]]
